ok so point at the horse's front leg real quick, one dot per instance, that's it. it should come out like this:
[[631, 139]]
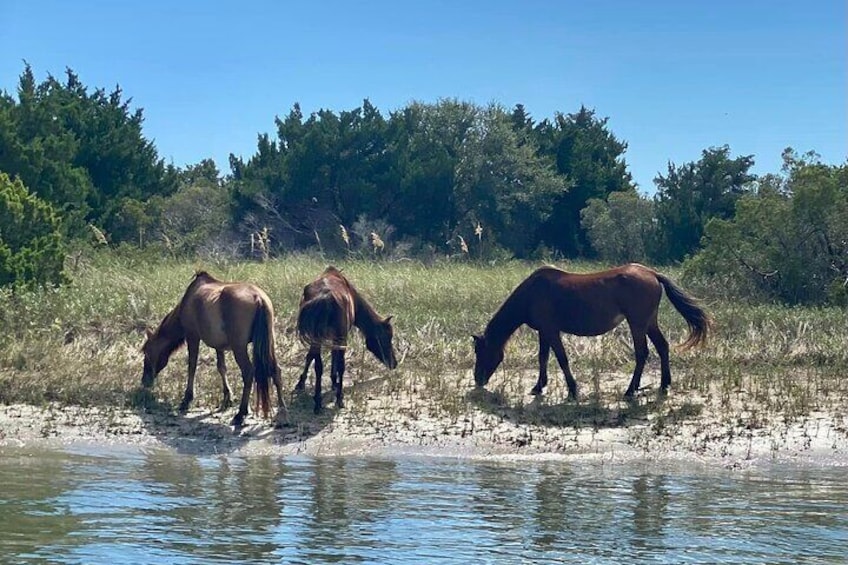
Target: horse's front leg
[[544, 353], [562, 359], [243, 361], [193, 349], [222, 370], [337, 374]]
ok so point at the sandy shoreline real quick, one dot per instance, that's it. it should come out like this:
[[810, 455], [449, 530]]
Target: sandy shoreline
[[817, 439]]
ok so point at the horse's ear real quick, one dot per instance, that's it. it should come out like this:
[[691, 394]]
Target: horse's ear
[[148, 333], [388, 319], [477, 338]]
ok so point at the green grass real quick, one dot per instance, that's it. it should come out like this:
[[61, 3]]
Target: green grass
[[79, 344]]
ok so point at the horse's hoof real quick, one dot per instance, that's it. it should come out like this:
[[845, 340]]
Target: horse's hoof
[[298, 388], [238, 421], [536, 391], [317, 409], [183, 408]]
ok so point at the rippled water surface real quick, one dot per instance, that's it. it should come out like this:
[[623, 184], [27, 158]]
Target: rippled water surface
[[129, 506]]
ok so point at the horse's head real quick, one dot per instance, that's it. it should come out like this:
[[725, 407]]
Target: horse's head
[[379, 342], [488, 357], [156, 355]]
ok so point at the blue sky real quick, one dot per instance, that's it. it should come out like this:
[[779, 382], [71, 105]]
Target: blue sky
[[673, 77]]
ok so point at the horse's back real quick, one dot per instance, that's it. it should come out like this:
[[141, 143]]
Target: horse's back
[[220, 313], [592, 303]]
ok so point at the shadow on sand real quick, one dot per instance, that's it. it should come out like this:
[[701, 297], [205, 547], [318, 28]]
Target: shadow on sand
[[208, 431], [589, 411]]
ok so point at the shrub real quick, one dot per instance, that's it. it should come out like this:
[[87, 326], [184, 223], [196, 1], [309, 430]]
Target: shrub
[[30, 242]]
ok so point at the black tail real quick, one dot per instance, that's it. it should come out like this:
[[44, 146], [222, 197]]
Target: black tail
[[264, 360], [699, 321]]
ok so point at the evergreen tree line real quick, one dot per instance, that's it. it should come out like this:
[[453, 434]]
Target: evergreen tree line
[[449, 177]]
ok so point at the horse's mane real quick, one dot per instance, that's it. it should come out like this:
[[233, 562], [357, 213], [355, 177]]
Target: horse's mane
[[169, 327], [170, 331], [200, 276], [168, 324], [203, 274]]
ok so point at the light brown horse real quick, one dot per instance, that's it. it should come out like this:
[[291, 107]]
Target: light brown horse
[[329, 308], [223, 315], [552, 301]]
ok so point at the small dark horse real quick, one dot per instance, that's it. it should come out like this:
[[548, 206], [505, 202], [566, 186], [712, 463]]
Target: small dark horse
[[329, 308], [224, 316], [552, 301]]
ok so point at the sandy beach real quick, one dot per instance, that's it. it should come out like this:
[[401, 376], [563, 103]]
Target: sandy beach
[[374, 425]]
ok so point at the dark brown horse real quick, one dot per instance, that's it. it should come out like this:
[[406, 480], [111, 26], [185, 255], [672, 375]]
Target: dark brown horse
[[329, 308], [552, 301], [223, 316]]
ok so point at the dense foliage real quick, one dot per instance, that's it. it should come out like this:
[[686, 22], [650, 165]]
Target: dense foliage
[[788, 238], [30, 242], [448, 178], [82, 152]]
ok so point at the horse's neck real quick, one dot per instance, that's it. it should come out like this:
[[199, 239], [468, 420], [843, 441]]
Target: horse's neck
[[506, 320], [365, 317], [171, 327]]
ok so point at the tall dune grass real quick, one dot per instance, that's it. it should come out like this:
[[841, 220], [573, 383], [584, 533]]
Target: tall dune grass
[[79, 344]]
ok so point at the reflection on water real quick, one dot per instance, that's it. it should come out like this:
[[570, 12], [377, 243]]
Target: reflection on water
[[100, 506]]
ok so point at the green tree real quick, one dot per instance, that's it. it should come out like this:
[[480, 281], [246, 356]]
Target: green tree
[[502, 183], [35, 147], [692, 194], [622, 228], [319, 172], [31, 248], [83, 152], [196, 218], [426, 140], [788, 240], [592, 159]]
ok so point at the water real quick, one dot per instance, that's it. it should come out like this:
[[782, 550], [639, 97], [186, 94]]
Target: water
[[85, 505]]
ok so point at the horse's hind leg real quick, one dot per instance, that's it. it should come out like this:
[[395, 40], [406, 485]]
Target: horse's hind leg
[[640, 348], [314, 354], [319, 372], [661, 345], [193, 345], [337, 374], [334, 369], [278, 384], [243, 360], [562, 359], [544, 354], [222, 370]]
